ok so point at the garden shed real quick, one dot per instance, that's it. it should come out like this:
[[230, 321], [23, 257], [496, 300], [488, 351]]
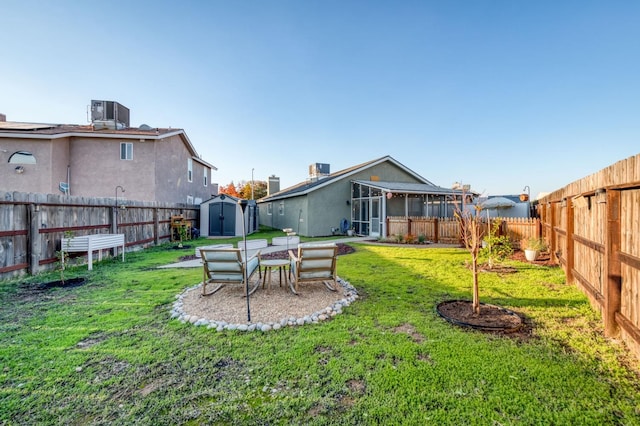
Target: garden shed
[[221, 216]]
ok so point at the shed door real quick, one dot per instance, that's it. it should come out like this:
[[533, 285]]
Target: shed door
[[222, 219]]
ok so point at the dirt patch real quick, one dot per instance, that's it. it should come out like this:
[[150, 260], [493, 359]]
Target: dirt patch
[[410, 330]]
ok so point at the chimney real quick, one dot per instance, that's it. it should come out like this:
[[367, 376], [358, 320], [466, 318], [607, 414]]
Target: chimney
[[3, 117], [273, 185]]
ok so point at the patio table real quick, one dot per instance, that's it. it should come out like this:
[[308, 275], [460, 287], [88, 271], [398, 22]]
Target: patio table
[[269, 264]]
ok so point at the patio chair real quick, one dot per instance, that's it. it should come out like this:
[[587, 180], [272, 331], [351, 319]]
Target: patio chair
[[223, 266], [314, 262]]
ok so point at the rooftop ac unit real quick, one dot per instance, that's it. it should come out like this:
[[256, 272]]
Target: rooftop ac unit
[[102, 111]]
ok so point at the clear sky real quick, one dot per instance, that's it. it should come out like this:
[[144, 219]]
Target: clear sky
[[496, 94]]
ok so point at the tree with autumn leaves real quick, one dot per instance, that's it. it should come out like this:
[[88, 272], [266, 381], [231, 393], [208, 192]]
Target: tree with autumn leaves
[[243, 189]]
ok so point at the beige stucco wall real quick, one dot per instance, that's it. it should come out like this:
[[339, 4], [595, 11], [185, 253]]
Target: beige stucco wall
[[96, 168], [157, 172], [171, 173], [36, 177]]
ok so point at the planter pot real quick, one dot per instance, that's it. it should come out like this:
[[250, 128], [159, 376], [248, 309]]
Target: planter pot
[[530, 255], [350, 232]]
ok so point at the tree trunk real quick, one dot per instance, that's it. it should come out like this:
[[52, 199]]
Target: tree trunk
[[476, 292]]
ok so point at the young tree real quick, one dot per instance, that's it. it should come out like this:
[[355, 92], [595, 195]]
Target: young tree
[[471, 235]]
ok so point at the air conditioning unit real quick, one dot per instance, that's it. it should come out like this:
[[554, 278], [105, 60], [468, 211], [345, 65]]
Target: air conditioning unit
[[109, 111]]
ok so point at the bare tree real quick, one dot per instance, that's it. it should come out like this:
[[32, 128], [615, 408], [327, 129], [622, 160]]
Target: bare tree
[[471, 236]]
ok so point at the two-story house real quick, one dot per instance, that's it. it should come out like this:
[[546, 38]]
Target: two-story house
[[103, 158]]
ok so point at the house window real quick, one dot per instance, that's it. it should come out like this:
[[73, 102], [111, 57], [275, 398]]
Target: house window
[[126, 151], [189, 199], [22, 157], [204, 178], [269, 209], [190, 170], [281, 208]]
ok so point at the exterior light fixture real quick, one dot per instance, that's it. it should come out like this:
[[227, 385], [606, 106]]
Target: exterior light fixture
[[19, 170]]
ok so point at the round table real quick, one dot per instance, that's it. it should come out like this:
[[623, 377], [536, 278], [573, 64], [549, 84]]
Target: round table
[[269, 264]]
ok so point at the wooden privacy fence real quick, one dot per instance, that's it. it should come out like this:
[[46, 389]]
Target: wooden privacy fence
[[592, 227], [447, 230], [32, 225]]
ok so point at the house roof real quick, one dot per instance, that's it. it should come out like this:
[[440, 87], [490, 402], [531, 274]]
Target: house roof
[[304, 188], [14, 129]]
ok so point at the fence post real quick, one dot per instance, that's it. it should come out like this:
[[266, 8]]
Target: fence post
[[33, 238], [552, 232], [436, 230], [569, 255], [156, 227], [613, 290]]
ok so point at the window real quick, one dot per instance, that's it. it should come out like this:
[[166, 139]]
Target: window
[[190, 170], [126, 151], [189, 199], [22, 157], [204, 178], [281, 208], [269, 209]]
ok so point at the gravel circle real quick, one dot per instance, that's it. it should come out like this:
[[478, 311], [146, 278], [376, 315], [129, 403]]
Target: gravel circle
[[271, 309]]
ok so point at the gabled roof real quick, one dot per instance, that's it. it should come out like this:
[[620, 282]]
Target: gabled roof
[[304, 188], [14, 129]]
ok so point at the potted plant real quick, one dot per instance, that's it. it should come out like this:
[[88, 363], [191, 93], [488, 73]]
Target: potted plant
[[532, 247]]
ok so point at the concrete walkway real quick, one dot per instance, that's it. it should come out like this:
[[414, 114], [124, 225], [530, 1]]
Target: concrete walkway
[[195, 263]]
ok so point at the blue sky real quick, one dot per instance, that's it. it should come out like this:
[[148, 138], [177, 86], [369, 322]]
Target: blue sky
[[496, 94]]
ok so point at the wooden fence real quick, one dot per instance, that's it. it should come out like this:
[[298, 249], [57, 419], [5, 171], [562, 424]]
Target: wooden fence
[[447, 230], [32, 225], [592, 227]]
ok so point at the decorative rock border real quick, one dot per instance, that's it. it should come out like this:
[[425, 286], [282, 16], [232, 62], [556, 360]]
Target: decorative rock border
[[325, 314]]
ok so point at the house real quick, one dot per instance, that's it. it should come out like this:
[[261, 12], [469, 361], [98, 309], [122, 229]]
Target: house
[[360, 198], [98, 159], [222, 215]]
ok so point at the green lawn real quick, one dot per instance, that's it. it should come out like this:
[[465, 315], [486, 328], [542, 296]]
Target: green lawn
[[107, 352]]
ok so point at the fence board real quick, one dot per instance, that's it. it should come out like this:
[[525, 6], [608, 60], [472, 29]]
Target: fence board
[[30, 243], [602, 235]]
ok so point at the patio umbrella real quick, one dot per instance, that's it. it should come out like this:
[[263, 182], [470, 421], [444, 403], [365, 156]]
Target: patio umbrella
[[497, 203]]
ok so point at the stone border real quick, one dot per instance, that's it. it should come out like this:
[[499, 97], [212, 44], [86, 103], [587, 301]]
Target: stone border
[[351, 294]]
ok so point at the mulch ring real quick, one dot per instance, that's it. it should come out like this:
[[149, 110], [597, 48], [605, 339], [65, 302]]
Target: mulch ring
[[492, 318]]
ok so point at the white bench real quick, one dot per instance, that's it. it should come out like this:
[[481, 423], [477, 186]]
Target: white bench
[[91, 243], [291, 241]]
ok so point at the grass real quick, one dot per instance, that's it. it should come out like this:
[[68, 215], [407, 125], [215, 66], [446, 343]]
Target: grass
[[108, 353]]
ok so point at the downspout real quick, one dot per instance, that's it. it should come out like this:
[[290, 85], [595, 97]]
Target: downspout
[[68, 179]]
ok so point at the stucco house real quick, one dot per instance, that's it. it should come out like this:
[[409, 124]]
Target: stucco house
[[103, 158], [359, 198]]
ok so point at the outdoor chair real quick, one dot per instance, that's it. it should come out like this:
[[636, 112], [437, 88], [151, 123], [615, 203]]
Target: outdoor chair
[[223, 266], [313, 263]]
